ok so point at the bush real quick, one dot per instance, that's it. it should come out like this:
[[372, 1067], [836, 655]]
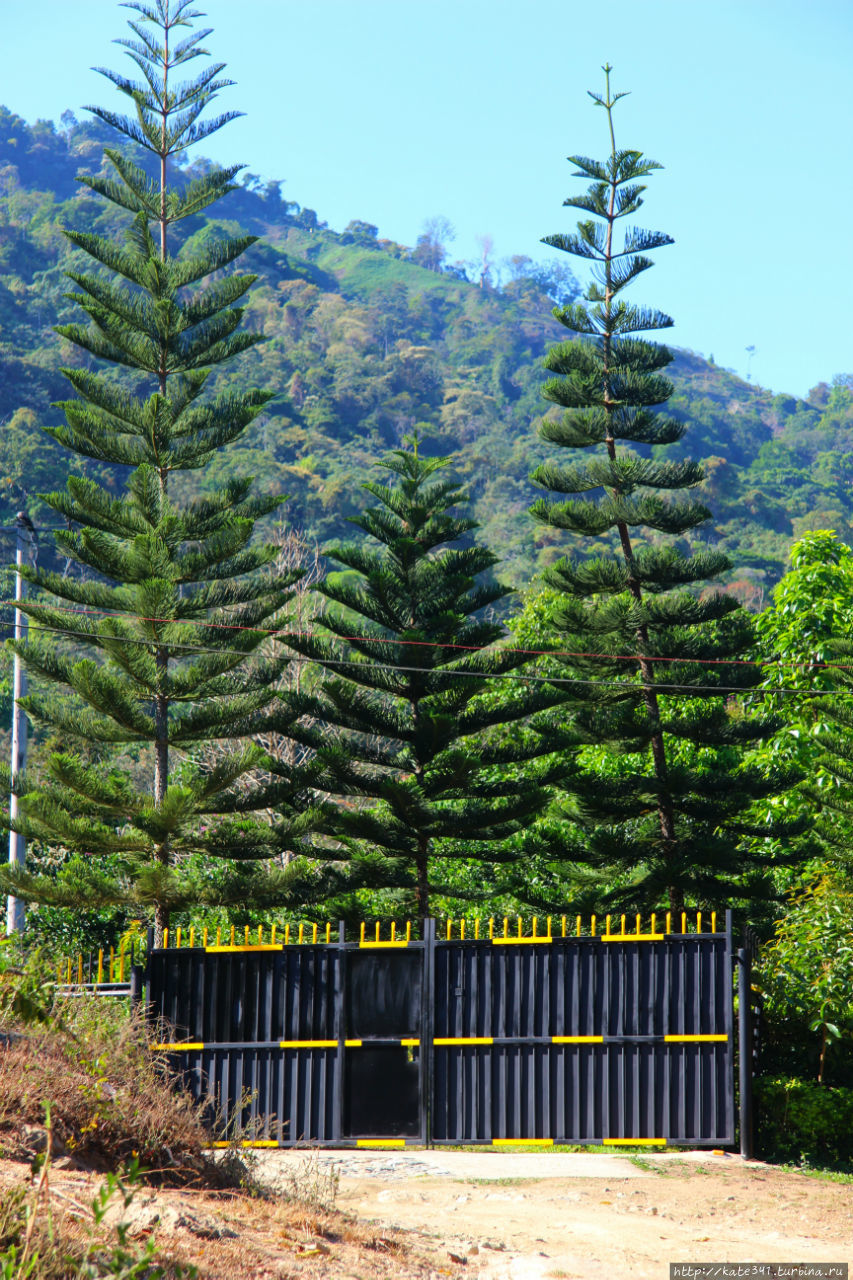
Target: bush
[[802, 1122], [112, 1100]]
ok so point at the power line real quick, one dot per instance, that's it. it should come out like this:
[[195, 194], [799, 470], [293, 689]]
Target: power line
[[280, 634], [669, 689]]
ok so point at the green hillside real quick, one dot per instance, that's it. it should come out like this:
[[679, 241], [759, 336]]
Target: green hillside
[[365, 344]]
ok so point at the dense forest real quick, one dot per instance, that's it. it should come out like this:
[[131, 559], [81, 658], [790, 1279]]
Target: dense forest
[[369, 339]]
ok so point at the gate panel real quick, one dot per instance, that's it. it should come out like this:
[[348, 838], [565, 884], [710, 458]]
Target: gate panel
[[613, 1037], [608, 1038]]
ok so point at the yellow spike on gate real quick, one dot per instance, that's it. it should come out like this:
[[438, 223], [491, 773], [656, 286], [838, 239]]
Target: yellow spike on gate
[[449, 928], [361, 937], [165, 938], [121, 963], [393, 930], [684, 922], [607, 928], [518, 918], [593, 926], [178, 937], [232, 936], [713, 922], [100, 965], [245, 935], [578, 926], [377, 930], [491, 926], [669, 922], [476, 927], [192, 935], [328, 931], [462, 928], [654, 925], [302, 931], [314, 934], [272, 938], [287, 934], [408, 930], [638, 930], [80, 969], [698, 921]]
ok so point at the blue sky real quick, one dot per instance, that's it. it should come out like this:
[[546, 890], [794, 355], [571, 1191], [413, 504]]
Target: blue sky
[[394, 111]]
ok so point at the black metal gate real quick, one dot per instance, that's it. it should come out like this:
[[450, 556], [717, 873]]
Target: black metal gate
[[478, 1036]]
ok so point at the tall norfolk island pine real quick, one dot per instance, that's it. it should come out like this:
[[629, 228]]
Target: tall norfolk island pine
[[161, 676], [414, 761], [668, 819]]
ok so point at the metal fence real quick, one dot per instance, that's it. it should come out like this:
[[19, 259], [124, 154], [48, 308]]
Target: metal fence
[[471, 1032]]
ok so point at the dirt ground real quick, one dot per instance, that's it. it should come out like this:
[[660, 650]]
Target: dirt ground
[[496, 1216], [512, 1221]]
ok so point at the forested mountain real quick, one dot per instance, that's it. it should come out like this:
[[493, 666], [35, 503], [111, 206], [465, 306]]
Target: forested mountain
[[369, 339]]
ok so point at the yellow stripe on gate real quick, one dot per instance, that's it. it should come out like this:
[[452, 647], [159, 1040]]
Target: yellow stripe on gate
[[246, 1142], [577, 1039], [251, 947], [178, 1048], [693, 1039], [307, 1044], [380, 1142], [452, 1040]]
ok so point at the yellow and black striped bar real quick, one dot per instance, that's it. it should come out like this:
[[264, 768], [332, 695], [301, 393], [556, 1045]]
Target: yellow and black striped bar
[[440, 1042]]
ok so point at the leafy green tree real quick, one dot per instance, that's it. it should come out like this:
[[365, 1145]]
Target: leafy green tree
[[808, 966], [409, 749], [665, 805], [173, 599], [804, 636]]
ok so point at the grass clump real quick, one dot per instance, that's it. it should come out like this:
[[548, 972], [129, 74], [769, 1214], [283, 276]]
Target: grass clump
[[113, 1102], [40, 1241]]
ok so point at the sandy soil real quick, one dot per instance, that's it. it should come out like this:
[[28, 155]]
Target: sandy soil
[[425, 1215], [512, 1221]]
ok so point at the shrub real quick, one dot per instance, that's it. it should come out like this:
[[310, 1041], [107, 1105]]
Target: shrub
[[112, 1101], [802, 1122]]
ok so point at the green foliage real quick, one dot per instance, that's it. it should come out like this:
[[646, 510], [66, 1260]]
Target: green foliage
[[163, 620], [807, 969], [404, 734], [26, 992], [804, 636], [661, 803], [803, 1122], [339, 311]]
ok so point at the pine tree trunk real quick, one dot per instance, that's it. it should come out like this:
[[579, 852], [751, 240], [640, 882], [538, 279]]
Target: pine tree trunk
[[422, 872], [161, 702], [666, 815]]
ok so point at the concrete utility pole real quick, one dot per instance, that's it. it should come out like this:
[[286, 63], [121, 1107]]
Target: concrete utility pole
[[15, 909]]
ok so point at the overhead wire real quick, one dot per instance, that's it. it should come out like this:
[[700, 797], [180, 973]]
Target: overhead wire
[[671, 689], [280, 634]]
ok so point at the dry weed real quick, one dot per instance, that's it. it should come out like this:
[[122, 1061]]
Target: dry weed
[[112, 1100]]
